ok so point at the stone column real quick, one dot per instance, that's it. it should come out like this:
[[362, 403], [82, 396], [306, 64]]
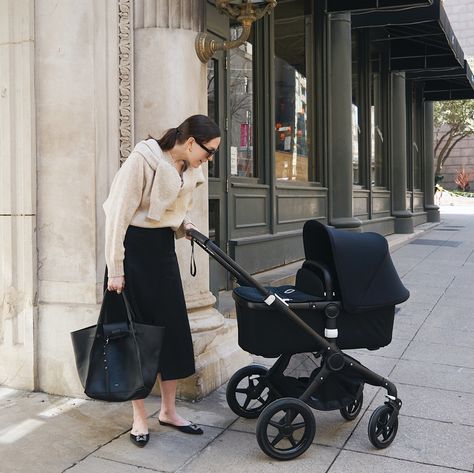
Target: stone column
[[431, 209], [170, 85], [340, 186], [76, 84], [18, 284], [403, 217]]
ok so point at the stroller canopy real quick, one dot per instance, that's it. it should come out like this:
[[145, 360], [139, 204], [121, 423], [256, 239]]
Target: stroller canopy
[[360, 265]]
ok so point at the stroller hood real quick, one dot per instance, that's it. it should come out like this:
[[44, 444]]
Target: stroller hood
[[360, 263]]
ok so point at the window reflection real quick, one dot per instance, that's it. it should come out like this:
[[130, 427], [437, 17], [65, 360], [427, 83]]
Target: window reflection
[[291, 92], [356, 122], [212, 108], [242, 162], [376, 121]]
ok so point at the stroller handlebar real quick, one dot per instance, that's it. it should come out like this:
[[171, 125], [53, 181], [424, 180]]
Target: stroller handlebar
[[197, 236], [243, 278]]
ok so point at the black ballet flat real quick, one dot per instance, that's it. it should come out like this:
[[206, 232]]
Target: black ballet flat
[[140, 440], [192, 429]]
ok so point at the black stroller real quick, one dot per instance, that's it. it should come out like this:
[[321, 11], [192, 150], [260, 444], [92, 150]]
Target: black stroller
[[344, 298]]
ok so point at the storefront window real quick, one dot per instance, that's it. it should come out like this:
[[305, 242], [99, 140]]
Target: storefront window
[[212, 107], [292, 46], [356, 118], [242, 161], [377, 149], [417, 138]]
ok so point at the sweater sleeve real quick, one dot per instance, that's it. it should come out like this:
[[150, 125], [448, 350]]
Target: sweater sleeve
[[124, 198]]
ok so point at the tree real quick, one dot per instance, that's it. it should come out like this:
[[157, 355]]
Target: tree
[[454, 121]]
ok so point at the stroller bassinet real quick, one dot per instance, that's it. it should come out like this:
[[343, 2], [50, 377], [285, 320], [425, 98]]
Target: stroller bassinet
[[363, 278], [344, 298]]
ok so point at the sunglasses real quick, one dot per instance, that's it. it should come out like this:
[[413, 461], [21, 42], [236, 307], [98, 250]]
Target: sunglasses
[[210, 152]]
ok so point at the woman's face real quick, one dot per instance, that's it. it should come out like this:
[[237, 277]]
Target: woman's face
[[200, 153]]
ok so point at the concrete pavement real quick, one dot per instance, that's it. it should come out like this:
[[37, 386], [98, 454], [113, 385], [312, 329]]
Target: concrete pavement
[[431, 360]]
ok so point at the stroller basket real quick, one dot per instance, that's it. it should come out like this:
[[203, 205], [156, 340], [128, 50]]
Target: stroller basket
[[267, 332], [339, 390]]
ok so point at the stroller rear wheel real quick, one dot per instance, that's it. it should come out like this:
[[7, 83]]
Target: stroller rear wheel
[[383, 426], [286, 428], [352, 410], [247, 392]]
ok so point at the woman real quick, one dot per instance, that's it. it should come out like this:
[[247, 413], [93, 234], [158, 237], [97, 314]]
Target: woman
[[146, 209]]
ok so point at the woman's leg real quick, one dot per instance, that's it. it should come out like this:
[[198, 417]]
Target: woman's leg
[[168, 403], [140, 422]]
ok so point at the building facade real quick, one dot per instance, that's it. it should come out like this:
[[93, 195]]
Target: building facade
[[326, 114]]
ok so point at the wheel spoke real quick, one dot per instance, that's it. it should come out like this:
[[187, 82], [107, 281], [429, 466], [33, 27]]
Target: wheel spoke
[[289, 416], [260, 398], [242, 391], [247, 402], [292, 441], [277, 439], [298, 425], [277, 425]]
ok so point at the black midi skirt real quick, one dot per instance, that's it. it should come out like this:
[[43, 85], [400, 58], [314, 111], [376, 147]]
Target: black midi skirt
[[155, 291]]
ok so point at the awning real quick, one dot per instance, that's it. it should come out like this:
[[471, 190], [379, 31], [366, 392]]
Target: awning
[[420, 38], [333, 6], [455, 84]]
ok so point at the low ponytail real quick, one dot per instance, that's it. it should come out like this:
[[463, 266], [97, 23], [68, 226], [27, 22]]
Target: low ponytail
[[200, 127], [168, 140]]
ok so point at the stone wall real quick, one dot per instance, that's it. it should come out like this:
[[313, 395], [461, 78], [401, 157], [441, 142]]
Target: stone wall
[[18, 252]]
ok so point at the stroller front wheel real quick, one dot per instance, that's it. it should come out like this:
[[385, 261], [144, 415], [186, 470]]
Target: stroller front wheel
[[383, 426], [352, 410], [247, 393], [286, 428]]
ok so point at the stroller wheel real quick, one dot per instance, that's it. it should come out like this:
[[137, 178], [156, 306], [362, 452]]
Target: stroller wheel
[[286, 428], [247, 392], [383, 426], [352, 410]]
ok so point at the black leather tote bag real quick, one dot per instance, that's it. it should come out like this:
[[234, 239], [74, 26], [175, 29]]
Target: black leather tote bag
[[117, 359]]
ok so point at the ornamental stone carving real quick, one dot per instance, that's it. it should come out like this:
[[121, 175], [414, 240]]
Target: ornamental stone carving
[[125, 12]]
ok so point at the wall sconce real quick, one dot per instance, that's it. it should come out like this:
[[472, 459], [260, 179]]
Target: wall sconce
[[245, 12]]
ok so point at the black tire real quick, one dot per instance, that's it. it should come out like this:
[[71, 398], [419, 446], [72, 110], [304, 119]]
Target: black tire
[[380, 435], [247, 392], [277, 425], [351, 411]]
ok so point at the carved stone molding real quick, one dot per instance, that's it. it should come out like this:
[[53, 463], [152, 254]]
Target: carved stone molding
[[176, 14], [125, 13]]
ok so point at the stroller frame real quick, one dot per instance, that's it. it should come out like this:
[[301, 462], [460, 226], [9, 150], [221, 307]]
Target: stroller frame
[[383, 424]]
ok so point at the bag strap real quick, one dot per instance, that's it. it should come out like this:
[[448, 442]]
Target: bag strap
[[128, 308], [192, 264]]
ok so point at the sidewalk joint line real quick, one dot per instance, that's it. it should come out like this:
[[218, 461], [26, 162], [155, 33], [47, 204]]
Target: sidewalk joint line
[[98, 448], [131, 464], [406, 460]]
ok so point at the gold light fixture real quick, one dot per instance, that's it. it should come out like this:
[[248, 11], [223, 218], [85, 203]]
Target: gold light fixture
[[245, 12]]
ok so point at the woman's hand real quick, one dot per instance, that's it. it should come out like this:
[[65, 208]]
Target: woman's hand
[[116, 284], [189, 226]]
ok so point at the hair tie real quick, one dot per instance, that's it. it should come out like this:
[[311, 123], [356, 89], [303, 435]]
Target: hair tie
[[177, 131]]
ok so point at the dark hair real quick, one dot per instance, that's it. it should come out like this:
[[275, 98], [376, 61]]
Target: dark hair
[[201, 127]]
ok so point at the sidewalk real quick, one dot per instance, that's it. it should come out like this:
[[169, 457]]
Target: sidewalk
[[431, 360]]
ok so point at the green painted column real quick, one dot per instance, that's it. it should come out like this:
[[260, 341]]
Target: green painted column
[[432, 210], [403, 217], [340, 186]]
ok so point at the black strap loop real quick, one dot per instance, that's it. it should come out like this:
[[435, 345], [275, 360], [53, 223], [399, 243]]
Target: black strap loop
[[192, 265]]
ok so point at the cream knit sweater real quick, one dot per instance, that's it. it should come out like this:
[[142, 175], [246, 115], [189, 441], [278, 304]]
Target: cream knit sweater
[[147, 192]]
